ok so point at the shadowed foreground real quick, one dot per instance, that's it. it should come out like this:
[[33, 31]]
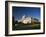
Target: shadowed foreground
[[26, 27]]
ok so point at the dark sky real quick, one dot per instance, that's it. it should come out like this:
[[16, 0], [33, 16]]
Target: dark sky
[[18, 12]]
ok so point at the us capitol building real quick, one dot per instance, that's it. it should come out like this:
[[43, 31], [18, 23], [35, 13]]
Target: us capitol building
[[26, 20]]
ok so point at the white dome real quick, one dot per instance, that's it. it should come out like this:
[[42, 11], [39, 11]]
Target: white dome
[[27, 20]]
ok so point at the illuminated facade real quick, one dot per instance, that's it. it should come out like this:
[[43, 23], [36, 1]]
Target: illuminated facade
[[25, 20]]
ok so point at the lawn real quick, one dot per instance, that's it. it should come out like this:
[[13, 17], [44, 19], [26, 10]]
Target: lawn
[[26, 26]]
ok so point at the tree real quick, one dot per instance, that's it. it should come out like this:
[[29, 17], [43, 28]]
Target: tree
[[16, 22], [13, 23]]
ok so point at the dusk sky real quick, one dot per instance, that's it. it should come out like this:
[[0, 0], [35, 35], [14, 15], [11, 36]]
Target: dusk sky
[[18, 12]]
